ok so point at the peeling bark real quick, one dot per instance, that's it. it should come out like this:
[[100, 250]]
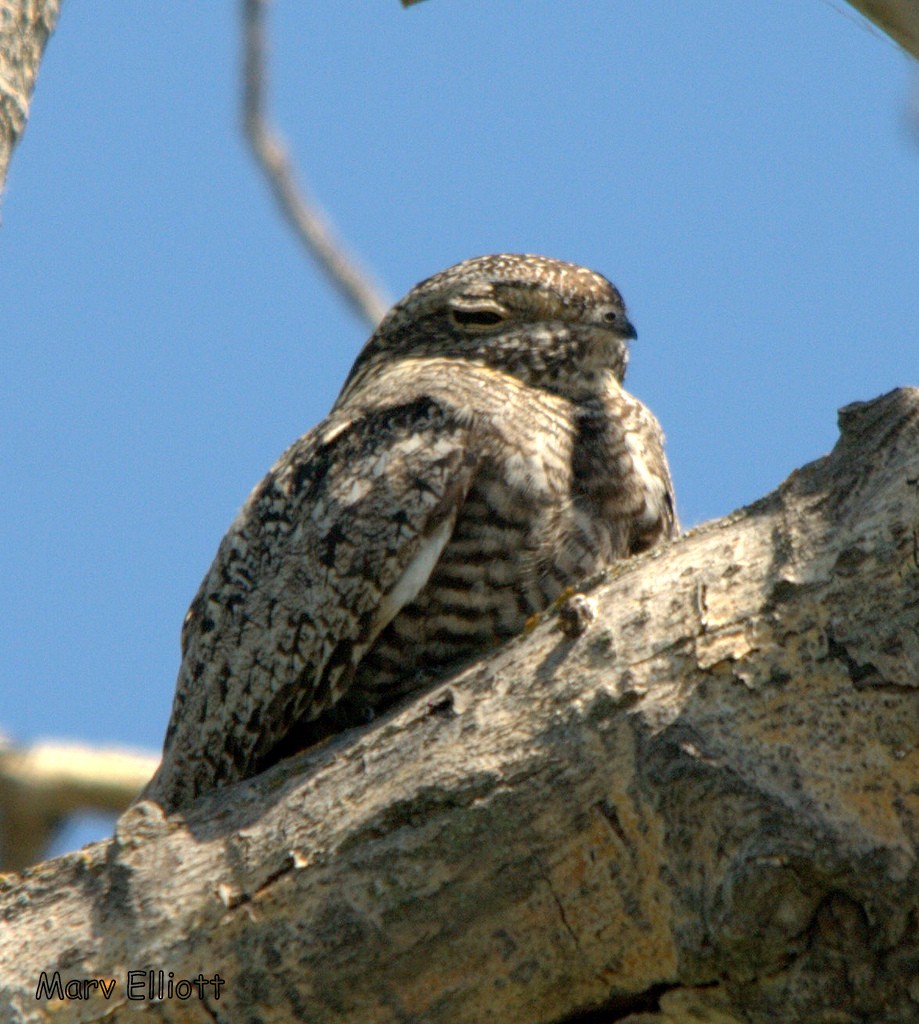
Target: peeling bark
[[702, 806]]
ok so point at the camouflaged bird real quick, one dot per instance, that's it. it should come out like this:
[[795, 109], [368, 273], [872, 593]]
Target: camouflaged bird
[[481, 457]]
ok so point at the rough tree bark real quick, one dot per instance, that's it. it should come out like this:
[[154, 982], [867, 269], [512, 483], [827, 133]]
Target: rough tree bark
[[705, 807], [25, 26]]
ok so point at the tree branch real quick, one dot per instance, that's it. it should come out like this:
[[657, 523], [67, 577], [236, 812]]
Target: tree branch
[[702, 808], [309, 224], [42, 785], [25, 27], [898, 18]]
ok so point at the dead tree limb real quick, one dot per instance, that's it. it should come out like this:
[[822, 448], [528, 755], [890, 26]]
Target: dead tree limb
[[25, 27], [707, 803], [302, 213], [898, 18], [45, 783]]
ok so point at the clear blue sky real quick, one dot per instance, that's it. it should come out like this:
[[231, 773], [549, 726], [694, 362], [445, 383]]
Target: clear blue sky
[[746, 173]]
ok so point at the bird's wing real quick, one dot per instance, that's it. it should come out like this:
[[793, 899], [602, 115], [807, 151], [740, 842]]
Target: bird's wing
[[343, 532], [657, 520]]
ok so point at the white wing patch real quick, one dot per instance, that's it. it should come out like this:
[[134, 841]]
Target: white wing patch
[[416, 575], [655, 487]]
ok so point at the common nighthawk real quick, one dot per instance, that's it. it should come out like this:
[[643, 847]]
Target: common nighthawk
[[481, 457]]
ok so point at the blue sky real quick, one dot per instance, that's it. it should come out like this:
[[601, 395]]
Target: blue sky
[[747, 174]]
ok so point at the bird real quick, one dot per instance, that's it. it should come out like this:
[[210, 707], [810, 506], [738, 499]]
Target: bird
[[481, 459]]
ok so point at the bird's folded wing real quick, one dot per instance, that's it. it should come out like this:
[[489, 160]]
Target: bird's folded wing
[[343, 532]]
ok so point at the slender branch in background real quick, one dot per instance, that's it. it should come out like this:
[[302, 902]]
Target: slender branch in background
[[42, 785], [310, 225]]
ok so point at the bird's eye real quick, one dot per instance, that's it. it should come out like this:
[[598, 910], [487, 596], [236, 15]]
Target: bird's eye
[[610, 316], [476, 318]]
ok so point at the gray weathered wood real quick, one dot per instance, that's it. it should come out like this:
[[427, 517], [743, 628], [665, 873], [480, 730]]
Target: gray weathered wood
[[708, 800], [25, 26]]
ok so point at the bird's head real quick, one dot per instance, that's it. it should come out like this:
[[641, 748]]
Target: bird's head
[[552, 324]]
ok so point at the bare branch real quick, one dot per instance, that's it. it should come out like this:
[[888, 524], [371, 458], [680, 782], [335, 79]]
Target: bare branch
[[43, 784], [898, 18], [309, 223], [24, 31], [703, 807]]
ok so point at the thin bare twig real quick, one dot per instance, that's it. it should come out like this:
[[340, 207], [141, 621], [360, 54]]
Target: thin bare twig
[[310, 225]]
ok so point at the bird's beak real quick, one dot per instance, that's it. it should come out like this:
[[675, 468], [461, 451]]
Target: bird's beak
[[620, 325]]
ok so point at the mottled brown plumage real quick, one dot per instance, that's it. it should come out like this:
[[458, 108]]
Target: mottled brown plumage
[[481, 457]]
